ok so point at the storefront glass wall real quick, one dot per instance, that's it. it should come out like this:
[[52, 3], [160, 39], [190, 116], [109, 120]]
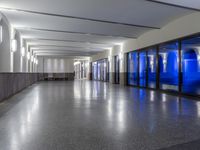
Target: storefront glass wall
[[191, 66], [142, 69], [151, 66], [169, 68], [94, 71], [132, 68], [100, 70]]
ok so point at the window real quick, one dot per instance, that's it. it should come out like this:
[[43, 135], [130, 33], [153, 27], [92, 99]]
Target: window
[[151, 67], [100, 70], [94, 70], [133, 68], [191, 66], [142, 69], [168, 61]]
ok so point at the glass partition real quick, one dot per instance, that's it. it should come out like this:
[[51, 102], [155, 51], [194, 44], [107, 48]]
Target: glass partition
[[94, 71], [99, 71], [168, 61], [151, 65], [142, 69], [191, 66], [132, 68]]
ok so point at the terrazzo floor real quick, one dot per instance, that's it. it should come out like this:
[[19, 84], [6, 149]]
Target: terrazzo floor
[[91, 115]]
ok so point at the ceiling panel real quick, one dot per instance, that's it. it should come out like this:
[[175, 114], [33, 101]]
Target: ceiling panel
[[126, 11], [32, 34], [185, 3], [59, 24], [64, 43]]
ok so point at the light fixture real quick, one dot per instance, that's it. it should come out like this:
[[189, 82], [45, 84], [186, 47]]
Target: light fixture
[[109, 58], [23, 51], [32, 58], [36, 62], [120, 55], [13, 45], [28, 55], [76, 63], [1, 34]]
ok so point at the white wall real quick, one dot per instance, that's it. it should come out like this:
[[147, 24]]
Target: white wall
[[17, 54], [55, 65], [11, 61]]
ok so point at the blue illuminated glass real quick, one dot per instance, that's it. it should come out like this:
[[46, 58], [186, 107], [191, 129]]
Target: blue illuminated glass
[[99, 71], [191, 66], [132, 68], [94, 70], [151, 68], [142, 69], [168, 60]]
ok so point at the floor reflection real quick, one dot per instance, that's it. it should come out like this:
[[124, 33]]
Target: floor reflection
[[20, 125], [89, 114]]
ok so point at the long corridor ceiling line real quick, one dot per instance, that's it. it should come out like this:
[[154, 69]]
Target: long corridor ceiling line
[[72, 41], [66, 46], [74, 32]]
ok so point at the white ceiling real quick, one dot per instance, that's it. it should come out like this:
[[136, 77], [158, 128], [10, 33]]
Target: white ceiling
[[85, 27], [186, 3]]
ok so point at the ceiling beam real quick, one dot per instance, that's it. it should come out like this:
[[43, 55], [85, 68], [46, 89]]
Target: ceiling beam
[[54, 50], [80, 18], [65, 46], [72, 32], [173, 5], [72, 41], [48, 54], [64, 53]]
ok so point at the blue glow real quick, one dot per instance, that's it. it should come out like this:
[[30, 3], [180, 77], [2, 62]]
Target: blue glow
[[191, 66], [133, 68], [151, 68], [168, 59], [99, 70], [142, 69]]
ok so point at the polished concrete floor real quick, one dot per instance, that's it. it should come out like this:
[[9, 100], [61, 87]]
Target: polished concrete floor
[[86, 115]]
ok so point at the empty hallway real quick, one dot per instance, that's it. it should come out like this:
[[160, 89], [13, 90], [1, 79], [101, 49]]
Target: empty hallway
[[99, 75]]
